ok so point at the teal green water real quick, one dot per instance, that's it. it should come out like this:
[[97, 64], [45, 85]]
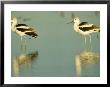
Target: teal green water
[[56, 51]]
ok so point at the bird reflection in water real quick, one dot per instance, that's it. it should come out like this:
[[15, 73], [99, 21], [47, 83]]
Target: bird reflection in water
[[23, 60], [85, 59]]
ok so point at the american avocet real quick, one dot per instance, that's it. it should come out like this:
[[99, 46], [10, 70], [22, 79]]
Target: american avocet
[[22, 29], [84, 28]]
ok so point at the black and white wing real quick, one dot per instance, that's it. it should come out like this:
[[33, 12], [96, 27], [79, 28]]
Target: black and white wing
[[33, 34], [19, 25], [23, 28], [84, 26]]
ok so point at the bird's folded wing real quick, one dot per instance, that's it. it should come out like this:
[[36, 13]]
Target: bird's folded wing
[[87, 27], [24, 29], [83, 23], [18, 25]]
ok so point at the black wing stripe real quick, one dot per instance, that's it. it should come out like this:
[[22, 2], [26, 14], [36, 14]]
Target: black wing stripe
[[33, 34], [19, 25], [87, 28], [83, 23], [23, 29]]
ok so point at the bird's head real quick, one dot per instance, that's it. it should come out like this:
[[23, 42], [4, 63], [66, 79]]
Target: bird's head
[[14, 20], [76, 20]]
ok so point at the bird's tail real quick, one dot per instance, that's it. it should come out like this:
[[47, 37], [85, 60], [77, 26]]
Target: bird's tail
[[96, 29], [33, 34]]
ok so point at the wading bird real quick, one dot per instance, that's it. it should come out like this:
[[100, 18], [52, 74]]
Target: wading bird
[[84, 28], [22, 29]]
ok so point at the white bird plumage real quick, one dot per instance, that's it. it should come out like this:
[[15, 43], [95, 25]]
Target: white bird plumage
[[22, 29], [84, 28]]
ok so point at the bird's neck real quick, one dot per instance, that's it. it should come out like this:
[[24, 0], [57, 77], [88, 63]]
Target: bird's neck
[[76, 27], [13, 27]]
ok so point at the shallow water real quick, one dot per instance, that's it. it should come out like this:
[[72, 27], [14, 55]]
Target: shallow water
[[57, 50]]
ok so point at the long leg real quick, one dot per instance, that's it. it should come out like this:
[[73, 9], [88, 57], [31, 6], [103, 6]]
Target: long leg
[[21, 38], [85, 44], [85, 40], [90, 42], [24, 44], [21, 42]]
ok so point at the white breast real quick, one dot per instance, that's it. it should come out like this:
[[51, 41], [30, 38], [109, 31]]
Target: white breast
[[76, 27], [20, 33]]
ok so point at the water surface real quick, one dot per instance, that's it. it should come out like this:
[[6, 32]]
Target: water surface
[[57, 49]]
